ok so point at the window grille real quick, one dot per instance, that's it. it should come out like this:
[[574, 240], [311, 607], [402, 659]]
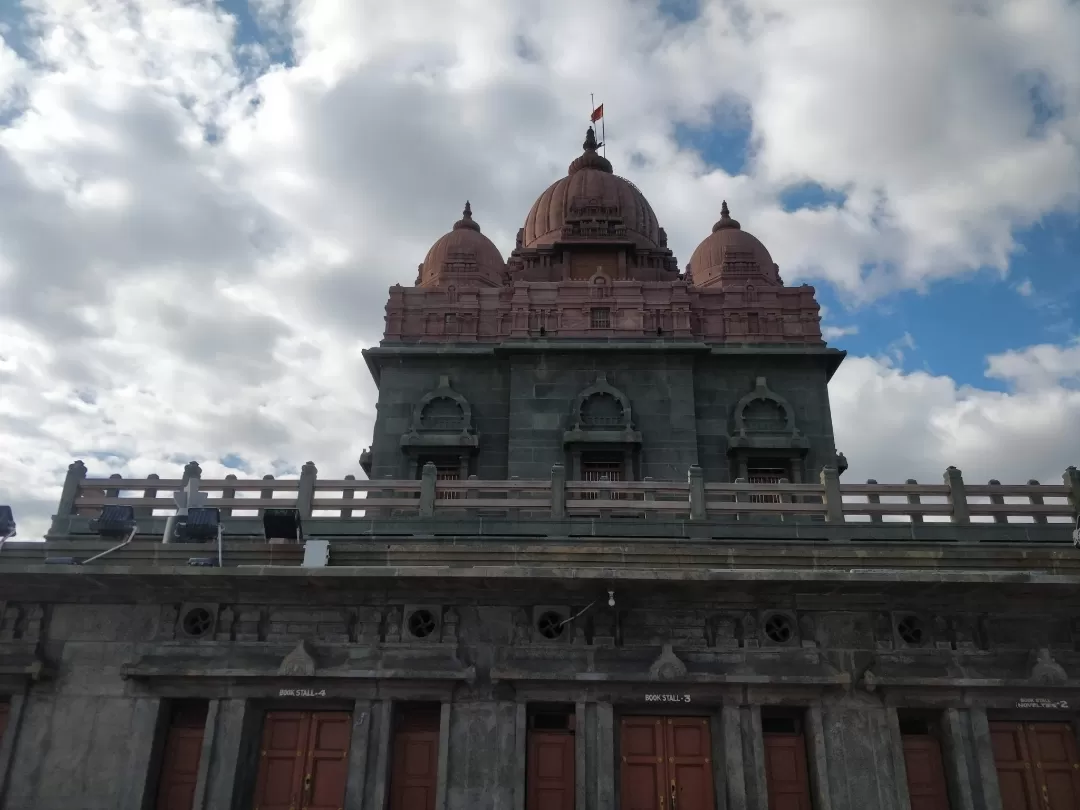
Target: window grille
[[600, 318], [766, 475], [601, 471]]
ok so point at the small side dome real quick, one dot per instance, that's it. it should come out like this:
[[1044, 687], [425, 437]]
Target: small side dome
[[463, 257], [731, 255]]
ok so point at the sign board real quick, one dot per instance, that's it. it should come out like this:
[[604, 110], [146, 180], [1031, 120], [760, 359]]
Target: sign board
[[1041, 703], [659, 698], [302, 693]]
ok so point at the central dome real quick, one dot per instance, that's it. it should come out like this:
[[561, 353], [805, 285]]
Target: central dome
[[590, 185]]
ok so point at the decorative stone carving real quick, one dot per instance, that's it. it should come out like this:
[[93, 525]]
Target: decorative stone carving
[[667, 667], [579, 636], [764, 419], [299, 663], [725, 628], [368, 621], [393, 624], [166, 628], [883, 631], [522, 628], [443, 419], [966, 632], [942, 637], [602, 413], [807, 636], [450, 625], [750, 630], [1047, 671], [226, 619], [604, 628], [249, 623], [8, 622]]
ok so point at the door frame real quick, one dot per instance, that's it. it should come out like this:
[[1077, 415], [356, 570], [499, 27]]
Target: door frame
[[707, 712]]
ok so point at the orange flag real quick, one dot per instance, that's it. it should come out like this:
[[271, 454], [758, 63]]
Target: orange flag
[[598, 113]]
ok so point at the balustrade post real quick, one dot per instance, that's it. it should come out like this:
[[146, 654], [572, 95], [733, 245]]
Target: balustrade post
[[1071, 479], [427, 490], [742, 497], [873, 498], [348, 494], [834, 501], [266, 494], [76, 474], [957, 496], [227, 494], [149, 492], [305, 493], [1036, 500], [696, 479], [558, 492], [998, 500], [914, 500], [113, 493]]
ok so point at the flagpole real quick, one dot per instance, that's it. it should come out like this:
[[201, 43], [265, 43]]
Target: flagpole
[[592, 106], [603, 132]]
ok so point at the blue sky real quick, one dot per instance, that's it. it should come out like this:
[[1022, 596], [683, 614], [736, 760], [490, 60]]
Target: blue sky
[[951, 326], [340, 140]]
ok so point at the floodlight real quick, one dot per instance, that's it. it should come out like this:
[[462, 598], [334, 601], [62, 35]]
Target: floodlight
[[200, 524], [282, 524], [202, 562], [114, 521], [60, 561]]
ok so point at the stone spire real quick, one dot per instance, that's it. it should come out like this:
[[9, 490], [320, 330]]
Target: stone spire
[[466, 220], [725, 220]]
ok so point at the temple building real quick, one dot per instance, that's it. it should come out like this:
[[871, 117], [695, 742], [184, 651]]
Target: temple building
[[601, 558]]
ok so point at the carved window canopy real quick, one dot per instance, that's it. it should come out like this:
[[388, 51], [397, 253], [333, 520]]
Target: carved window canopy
[[764, 420], [441, 420], [601, 416]]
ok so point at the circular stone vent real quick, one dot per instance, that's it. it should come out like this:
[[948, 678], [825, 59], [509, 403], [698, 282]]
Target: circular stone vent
[[910, 629], [778, 628], [197, 622], [421, 623], [550, 624]]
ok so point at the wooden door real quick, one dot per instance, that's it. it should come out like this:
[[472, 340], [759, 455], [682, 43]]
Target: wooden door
[[1037, 764], [925, 772], [549, 781], [303, 761], [180, 759], [786, 776], [415, 763], [666, 764]]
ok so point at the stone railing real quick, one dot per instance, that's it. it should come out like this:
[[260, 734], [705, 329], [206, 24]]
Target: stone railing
[[829, 501]]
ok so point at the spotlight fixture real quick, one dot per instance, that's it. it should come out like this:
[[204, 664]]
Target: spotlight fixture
[[611, 598]]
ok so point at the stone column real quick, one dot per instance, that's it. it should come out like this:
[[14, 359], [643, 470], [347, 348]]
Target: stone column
[[378, 774], [521, 753], [140, 748], [232, 716], [757, 790], [206, 755], [359, 745], [444, 756], [734, 770], [7, 743], [817, 764], [605, 756], [988, 793]]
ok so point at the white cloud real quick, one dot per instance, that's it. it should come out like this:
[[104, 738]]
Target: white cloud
[[196, 245], [1026, 288]]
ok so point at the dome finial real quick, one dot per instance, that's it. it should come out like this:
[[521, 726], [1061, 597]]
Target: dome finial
[[466, 220], [725, 220], [590, 158]]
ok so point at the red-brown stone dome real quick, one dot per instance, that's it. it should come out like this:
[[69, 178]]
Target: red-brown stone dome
[[464, 257], [729, 253], [590, 182]]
